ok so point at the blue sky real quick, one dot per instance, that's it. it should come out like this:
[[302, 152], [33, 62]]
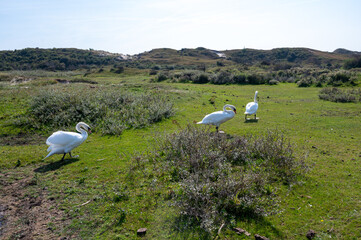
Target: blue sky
[[135, 26]]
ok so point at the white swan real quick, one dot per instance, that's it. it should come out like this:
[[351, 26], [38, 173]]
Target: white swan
[[252, 107], [63, 142], [219, 117]]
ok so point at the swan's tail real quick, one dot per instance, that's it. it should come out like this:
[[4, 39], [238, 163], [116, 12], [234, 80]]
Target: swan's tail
[[51, 153], [52, 149]]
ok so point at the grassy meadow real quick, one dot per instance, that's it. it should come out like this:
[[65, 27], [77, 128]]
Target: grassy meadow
[[107, 194]]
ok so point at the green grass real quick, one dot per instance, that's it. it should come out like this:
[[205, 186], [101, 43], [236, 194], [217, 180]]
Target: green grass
[[123, 200]]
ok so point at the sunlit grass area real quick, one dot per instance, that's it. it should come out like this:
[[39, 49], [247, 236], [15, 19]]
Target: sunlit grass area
[[109, 191]]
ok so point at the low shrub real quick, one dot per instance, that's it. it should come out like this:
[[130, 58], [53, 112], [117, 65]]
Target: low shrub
[[353, 63], [202, 78], [162, 77], [222, 77], [153, 72], [340, 95], [339, 78], [222, 177], [109, 112], [306, 82], [239, 79], [256, 79], [273, 82]]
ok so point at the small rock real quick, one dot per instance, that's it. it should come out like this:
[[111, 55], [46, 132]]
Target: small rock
[[291, 113], [310, 234], [259, 237], [240, 231], [141, 231], [314, 147]]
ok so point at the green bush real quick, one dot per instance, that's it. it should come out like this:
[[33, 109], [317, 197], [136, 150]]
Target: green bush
[[109, 112], [256, 79], [339, 78], [273, 82], [340, 95], [353, 63], [222, 77], [239, 79], [202, 78], [162, 77], [306, 82]]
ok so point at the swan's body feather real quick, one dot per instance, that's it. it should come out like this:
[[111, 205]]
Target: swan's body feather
[[251, 108], [219, 117], [64, 140], [61, 142]]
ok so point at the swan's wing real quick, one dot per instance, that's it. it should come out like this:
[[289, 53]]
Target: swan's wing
[[62, 138], [217, 118], [251, 108]]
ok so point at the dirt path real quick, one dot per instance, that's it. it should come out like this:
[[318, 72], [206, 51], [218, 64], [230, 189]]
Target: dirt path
[[26, 210]]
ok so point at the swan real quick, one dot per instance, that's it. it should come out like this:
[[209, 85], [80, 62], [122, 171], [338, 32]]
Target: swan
[[219, 117], [252, 107], [62, 142]]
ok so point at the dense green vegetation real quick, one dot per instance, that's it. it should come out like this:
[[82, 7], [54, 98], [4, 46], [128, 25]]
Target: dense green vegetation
[[109, 110], [353, 63], [54, 59], [340, 95], [178, 180]]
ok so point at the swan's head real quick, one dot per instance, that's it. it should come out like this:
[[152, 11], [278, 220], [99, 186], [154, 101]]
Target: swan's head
[[231, 107], [84, 126]]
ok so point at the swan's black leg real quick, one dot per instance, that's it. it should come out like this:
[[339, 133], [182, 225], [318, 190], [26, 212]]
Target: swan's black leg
[[255, 116], [70, 155], [63, 157], [217, 128]]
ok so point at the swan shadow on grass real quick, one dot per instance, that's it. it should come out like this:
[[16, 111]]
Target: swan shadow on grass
[[251, 120], [55, 165]]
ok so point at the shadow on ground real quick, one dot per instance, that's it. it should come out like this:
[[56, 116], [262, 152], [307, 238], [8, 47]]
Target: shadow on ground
[[187, 228], [55, 165], [251, 120]]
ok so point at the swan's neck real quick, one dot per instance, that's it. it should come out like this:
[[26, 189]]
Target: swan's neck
[[228, 111], [84, 133], [255, 98]]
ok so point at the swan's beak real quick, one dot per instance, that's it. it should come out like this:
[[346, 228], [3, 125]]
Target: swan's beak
[[235, 111], [90, 131]]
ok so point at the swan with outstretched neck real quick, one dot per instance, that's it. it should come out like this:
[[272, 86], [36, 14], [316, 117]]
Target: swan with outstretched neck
[[252, 107], [62, 142], [219, 117]]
